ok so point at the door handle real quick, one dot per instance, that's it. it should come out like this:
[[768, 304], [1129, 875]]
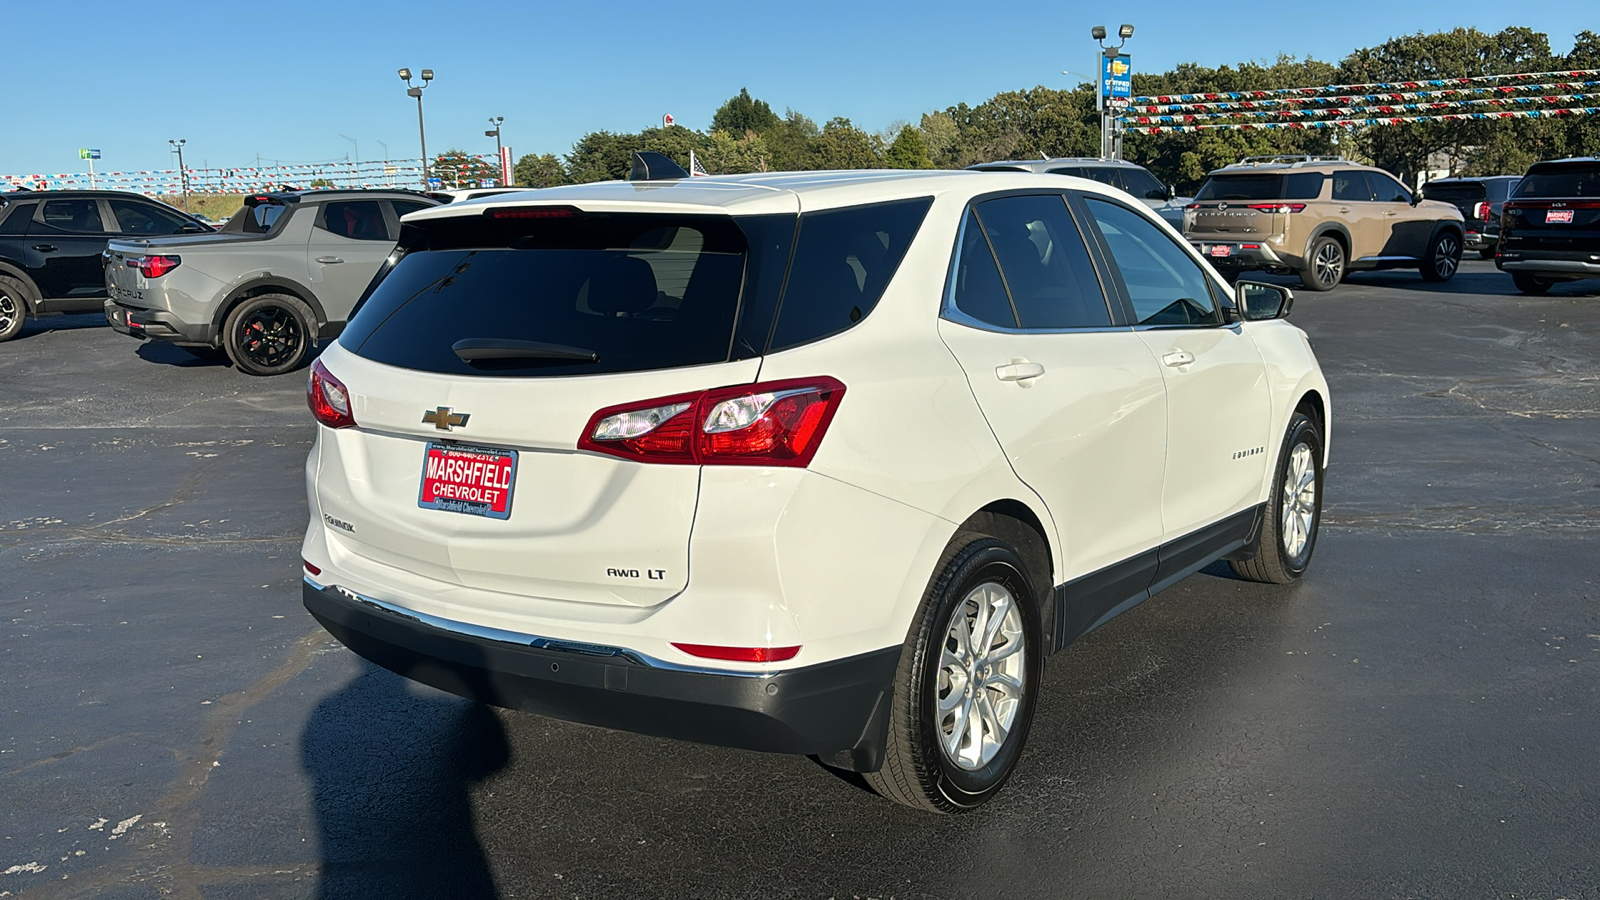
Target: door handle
[[1021, 370], [45, 248], [329, 260], [1178, 359], [1344, 209]]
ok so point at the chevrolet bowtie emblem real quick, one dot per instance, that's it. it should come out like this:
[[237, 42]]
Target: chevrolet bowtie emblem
[[444, 420]]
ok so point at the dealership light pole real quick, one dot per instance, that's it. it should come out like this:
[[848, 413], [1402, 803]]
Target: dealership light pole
[[1110, 114], [495, 133], [183, 176], [356, 172], [416, 91]]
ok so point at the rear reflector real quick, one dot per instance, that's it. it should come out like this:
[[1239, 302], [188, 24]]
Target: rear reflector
[[328, 398], [776, 423], [310, 568], [739, 654]]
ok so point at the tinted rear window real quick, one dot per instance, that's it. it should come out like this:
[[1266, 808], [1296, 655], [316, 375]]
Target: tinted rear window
[[1454, 191], [14, 218], [843, 259], [1564, 180], [1262, 186], [639, 291]]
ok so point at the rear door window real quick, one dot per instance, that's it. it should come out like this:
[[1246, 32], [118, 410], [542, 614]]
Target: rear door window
[[77, 216], [1387, 190], [1164, 283], [144, 218], [401, 207], [978, 291], [360, 220], [1143, 185], [843, 260], [1044, 263], [1351, 187], [637, 292]]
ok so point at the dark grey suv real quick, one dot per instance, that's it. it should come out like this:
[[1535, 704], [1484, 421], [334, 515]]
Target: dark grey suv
[[1481, 201]]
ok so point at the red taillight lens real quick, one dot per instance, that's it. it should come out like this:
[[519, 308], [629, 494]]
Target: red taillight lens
[[154, 266], [1192, 206], [778, 423], [1277, 207], [328, 398], [310, 568], [1481, 212], [739, 654], [534, 212]]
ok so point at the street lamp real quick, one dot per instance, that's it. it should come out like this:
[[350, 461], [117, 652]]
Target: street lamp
[[183, 176], [495, 133], [1109, 117], [356, 172], [416, 91]]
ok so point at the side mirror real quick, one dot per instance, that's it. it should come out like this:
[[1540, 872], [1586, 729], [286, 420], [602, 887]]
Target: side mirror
[[1261, 301]]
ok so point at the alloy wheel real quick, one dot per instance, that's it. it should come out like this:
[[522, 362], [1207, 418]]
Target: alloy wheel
[[1446, 257], [9, 312], [1299, 507], [1329, 264], [271, 335], [982, 670]]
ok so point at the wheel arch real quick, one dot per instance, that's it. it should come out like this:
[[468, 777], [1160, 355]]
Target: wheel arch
[[1016, 523], [1314, 405], [1335, 230], [30, 291], [269, 284]]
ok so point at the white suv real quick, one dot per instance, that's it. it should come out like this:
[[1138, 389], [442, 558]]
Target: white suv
[[821, 463]]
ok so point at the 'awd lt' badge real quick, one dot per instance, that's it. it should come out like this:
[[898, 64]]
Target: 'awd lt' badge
[[444, 420]]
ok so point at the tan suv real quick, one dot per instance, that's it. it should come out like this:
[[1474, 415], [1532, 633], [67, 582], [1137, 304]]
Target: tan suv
[[1319, 217]]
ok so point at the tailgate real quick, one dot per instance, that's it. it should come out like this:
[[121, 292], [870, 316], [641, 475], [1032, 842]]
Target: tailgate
[[1229, 222], [1558, 225]]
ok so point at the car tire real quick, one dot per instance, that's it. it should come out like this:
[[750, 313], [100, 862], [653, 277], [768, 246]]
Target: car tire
[[1530, 284], [13, 307], [1288, 534], [1325, 266], [936, 757], [1486, 253], [1443, 258], [270, 334]]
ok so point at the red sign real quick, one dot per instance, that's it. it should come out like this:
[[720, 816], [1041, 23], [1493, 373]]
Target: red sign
[[1553, 216], [1221, 250], [506, 175], [472, 480]]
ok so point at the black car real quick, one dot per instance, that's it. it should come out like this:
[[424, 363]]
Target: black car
[[1550, 230], [1481, 200], [50, 246]]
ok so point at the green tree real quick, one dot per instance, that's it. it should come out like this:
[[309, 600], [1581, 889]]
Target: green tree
[[540, 171], [457, 169], [940, 133], [743, 113], [726, 154], [842, 145], [908, 151], [602, 156]]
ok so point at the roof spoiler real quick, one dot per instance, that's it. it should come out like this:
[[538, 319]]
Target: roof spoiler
[[649, 165]]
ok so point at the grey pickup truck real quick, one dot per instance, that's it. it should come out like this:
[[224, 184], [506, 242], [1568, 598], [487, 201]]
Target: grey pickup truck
[[282, 274]]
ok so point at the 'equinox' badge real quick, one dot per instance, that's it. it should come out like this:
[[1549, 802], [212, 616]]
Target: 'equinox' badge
[[444, 420]]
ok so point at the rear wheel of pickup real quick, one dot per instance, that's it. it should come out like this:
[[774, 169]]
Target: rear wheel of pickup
[[1443, 259], [965, 689], [1530, 284], [269, 334], [13, 308], [1325, 269]]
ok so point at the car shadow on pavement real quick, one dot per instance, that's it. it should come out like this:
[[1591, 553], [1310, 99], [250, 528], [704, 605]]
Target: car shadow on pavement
[[34, 327], [173, 355], [390, 772]]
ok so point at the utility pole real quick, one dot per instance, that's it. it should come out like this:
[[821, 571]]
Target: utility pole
[[422, 131], [388, 173], [183, 176], [355, 175], [495, 133]]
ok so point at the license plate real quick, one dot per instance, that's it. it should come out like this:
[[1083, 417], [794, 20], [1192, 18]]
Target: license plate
[[1221, 250], [476, 481], [1557, 216]]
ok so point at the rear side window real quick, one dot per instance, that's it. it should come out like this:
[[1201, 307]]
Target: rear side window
[[1143, 185], [1564, 180], [15, 218], [1166, 286], [401, 207], [843, 260], [636, 291], [978, 290], [360, 220], [1046, 267], [81, 216]]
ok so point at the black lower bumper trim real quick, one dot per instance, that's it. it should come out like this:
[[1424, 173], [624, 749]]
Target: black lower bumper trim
[[835, 710]]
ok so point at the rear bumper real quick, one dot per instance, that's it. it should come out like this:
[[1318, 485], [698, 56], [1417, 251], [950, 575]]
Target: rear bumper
[[836, 710], [153, 324], [1241, 255], [1480, 240], [1567, 269]]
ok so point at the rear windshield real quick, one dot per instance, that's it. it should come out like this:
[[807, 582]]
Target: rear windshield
[[1562, 180], [255, 219], [1453, 191], [1262, 186], [625, 292]]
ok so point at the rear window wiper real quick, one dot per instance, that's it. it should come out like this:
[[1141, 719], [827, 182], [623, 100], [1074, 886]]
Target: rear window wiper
[[476, 349]]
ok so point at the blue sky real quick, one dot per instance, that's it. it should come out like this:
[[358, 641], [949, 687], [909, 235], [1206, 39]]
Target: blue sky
[[285, 79]]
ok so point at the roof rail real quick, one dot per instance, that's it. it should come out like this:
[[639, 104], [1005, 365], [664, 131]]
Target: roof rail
[[1291, 159]]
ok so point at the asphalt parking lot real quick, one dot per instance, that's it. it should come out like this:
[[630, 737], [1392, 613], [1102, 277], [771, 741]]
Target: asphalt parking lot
[[1419, 718]]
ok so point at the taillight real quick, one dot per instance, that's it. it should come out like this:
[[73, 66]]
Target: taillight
[[1192, 206], [328, 398], [739, 654], [154, 266], [1277, 207], [777, 423]]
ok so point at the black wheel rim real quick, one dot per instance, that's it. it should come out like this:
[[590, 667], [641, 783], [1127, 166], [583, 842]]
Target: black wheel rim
[[1447, 257], [8, 312], [270, 337]]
